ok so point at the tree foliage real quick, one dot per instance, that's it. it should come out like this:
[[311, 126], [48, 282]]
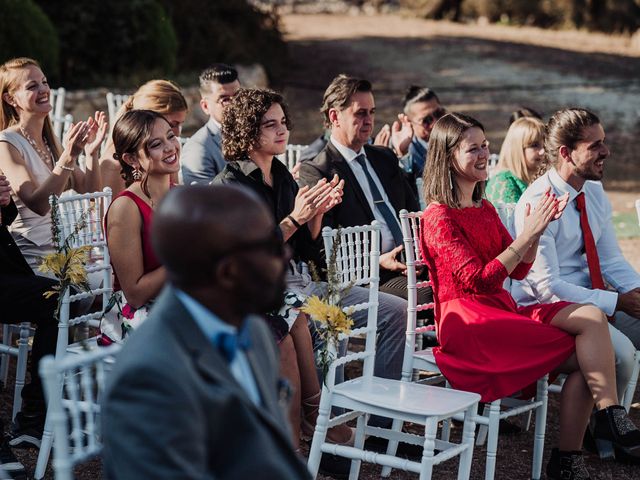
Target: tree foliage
[[26, 31]]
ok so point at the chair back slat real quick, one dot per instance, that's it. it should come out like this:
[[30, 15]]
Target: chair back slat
[[114, 102], [291, 156], [358, 269]]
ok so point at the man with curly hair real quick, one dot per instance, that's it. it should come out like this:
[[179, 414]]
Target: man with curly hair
[[202, 157]]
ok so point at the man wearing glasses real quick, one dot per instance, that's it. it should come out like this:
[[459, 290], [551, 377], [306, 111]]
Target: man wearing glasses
[[422, 109], [202, 157]]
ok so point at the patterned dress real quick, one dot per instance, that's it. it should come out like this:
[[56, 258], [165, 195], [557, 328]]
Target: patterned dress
[[504, 187], [488, 344]]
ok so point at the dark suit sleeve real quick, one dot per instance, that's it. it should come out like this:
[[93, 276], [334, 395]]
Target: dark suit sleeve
[[9, 213]]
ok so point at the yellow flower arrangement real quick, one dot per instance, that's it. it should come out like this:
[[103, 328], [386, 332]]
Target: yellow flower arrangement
[[66, 263], [330, 316], [329, 319]]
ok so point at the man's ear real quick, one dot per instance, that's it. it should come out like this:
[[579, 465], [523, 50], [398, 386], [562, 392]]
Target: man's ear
[[226, 273], [205, 106], [565, 153], [333, 116]]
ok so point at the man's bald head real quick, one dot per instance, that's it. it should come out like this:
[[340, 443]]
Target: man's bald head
[[194, 225]]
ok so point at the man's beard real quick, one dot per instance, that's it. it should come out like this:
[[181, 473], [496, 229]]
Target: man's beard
[[589, 173]]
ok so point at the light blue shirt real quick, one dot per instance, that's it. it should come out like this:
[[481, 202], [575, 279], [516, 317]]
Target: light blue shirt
[[386, 237], [211, 325]]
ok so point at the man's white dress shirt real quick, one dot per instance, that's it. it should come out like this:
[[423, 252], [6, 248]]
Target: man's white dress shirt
[[560, 271]]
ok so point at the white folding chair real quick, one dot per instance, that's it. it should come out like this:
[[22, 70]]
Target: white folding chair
[[114, 102], [71, 211], [489, 420], [21, 352], [61, 125], [357, 261], [74, 385], [292, 155], [57, 98]]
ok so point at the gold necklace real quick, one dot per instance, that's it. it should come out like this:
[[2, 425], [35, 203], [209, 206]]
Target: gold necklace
[[45, 156]]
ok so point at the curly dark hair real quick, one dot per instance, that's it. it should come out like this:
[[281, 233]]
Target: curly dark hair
[[242, 118]]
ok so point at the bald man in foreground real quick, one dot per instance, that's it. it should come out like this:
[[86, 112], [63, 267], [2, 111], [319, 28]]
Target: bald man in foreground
[[195, 392]]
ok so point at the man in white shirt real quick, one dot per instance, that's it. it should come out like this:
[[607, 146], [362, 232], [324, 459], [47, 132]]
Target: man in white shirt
[[578, 255], [202, 157]]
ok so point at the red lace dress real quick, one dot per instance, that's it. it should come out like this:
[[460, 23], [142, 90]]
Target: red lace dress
[[488, 344]]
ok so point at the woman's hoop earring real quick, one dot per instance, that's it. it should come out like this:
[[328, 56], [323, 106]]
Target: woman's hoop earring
[[137, 174]]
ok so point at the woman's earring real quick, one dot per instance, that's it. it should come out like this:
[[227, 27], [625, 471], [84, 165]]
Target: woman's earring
[[137, 174], [450, 180]]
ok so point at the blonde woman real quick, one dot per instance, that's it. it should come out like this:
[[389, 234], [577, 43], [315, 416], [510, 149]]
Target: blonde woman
[[521, 161], [32, 158], [160, 96]]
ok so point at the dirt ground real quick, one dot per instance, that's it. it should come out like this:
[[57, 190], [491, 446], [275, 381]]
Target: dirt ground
[[486, 71]]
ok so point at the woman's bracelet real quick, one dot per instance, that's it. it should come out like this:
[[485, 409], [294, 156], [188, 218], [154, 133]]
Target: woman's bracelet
[[294, 221], [68, 169], [515, 252]]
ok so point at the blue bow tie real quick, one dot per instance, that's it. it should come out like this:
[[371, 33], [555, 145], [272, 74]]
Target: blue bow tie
[[229, 343]]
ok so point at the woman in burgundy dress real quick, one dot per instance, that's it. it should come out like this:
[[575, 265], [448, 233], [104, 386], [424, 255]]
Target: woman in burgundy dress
[[149, 152], [488, 344]]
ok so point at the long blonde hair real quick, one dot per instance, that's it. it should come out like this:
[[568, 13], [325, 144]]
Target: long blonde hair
[[8, 114], [160, 96], [522, 133]]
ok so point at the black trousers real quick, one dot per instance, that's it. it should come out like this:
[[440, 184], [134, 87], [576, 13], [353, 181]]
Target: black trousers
[[22, 300], [397, 285]]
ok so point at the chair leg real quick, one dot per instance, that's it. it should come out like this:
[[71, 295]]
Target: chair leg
[[393, 446], [6, 358], [320, 433], [483, 429], [45, 449], [492, 440], [430, 431], [446, 423], [468, 433], [21, 368], [633, 382], [363, 421], [541, 427]]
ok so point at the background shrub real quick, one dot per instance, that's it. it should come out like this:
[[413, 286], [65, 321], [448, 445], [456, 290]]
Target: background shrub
[[26, 31], [112, 42], [225, 31]]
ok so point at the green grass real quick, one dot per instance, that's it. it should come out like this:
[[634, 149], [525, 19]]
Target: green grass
[[626, 224]]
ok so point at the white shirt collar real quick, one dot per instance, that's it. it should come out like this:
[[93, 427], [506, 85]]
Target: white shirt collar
[[348, 154]]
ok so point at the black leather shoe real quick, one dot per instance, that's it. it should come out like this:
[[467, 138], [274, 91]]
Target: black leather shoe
[[405, 450], [567, 466], [334, 466], [614, 431]]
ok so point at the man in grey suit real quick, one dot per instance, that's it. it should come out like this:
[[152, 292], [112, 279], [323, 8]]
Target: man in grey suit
[[196, 393], [202, 157]]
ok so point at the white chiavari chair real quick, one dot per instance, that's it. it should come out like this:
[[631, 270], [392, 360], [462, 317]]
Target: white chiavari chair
[[75, 384], [358, 264], [292, 155], [74, 210], [497, 410], [114, 102]]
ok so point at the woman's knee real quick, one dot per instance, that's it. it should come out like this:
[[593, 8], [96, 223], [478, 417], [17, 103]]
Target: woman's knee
[[592, 317]]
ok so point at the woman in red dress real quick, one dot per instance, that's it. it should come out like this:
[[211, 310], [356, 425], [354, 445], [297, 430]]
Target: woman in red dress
[[488, 344], [149, 153]]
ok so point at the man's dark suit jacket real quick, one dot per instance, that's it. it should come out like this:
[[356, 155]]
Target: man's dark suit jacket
[[172, 408], [354, 209]]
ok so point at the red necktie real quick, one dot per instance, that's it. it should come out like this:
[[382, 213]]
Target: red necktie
[[593, 262]]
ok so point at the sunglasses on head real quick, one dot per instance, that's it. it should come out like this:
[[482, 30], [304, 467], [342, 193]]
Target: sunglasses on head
[[433, 117]]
